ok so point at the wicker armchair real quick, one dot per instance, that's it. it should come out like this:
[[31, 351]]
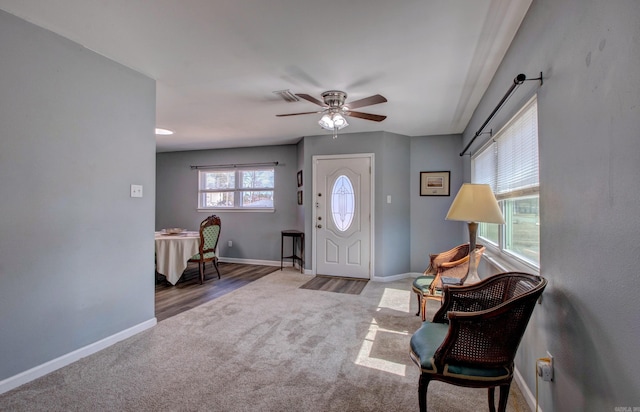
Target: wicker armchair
[[474, 337], [450, 266], [208, 249]]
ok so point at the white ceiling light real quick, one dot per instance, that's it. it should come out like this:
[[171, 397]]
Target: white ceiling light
[[333, 121], [339, 122], [163, 132]]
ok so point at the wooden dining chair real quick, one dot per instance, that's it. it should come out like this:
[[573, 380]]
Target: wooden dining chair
[[473, 339], [452, 266], [208, 249]]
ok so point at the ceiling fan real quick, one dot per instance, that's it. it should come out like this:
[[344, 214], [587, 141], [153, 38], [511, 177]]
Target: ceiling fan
[[335, 109]]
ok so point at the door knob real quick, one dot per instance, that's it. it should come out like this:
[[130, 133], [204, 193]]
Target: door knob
[[319, 226]]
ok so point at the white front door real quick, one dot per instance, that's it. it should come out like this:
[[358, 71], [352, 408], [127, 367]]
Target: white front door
[[342, 196]]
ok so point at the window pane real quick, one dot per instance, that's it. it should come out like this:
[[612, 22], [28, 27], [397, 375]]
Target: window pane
[[218, 199], [522, 227], [218, 180], [257, 198], [257, 179], [342, 203], [489, 232]]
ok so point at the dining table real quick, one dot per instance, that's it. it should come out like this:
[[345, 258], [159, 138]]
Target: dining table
[[173, 251]]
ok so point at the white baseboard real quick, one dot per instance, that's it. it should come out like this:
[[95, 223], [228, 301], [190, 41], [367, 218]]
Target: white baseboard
[[395, 277], [526, 392], [64, 360], [250, 261]]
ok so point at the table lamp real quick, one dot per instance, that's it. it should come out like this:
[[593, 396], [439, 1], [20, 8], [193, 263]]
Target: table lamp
[[475, 203]]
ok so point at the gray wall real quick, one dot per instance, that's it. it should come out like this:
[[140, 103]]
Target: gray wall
[[255, 235], [589, 131], [76, 252], [430, 232]]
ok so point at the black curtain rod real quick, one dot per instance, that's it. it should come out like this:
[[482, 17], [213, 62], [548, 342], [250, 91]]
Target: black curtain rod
[[233, 165], [517, 81]]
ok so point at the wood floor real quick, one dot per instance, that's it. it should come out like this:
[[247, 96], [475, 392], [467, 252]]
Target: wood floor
[[336, 284], [189, 293]]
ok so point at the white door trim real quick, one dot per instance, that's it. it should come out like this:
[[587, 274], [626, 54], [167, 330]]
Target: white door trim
[[314, 216]]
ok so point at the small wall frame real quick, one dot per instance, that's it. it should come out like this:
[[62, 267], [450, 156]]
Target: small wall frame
[[300, 178], [299, 197], [434, 183]]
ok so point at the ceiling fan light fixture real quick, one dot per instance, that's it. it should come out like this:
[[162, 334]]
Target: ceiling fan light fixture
[[334, 109], [339, 122], [333, 121], [326, 122]]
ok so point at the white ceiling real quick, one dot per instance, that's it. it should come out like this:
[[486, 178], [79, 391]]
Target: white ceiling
[[217, 62]]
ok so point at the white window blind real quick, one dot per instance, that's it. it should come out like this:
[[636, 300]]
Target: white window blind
[[486, 166], [510, 163]]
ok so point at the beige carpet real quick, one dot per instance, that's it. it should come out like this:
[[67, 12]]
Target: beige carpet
[[268, 346]]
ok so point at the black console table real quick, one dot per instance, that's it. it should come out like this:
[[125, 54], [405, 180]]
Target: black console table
[[295, 235]]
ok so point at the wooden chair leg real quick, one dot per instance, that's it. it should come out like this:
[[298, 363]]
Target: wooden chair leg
[[215, 265], [504, 395], [423, 308], [419, 303], [423, 384], [201, 267], [491, 397]]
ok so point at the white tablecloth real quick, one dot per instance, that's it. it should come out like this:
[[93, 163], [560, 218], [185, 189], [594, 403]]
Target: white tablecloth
[[173, 252]]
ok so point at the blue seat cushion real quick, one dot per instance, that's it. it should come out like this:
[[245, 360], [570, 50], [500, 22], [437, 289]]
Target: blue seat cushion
[[424, 343], [422, 283], [426, 340]]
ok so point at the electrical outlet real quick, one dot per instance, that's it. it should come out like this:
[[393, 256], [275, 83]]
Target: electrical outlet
[[136, 190], [230, 243], [544, 368]]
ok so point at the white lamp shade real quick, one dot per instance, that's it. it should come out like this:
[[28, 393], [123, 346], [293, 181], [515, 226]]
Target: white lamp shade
[[475, 203]]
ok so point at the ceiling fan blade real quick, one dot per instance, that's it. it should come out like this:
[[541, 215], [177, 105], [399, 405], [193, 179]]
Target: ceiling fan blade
[[367, 116], [311, 99], [367, 101], [296, 114]]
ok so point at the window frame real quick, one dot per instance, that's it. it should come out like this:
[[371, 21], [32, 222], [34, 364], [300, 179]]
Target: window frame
[[236, 189], [498, 254]]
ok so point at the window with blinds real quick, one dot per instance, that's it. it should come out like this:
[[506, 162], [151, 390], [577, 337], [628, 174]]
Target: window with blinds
[[509, 164]]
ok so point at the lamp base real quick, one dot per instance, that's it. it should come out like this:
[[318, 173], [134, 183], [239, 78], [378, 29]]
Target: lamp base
[[472, 277], [472, 271]]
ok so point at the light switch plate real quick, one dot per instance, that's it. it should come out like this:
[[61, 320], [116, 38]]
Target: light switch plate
[[136, 190]]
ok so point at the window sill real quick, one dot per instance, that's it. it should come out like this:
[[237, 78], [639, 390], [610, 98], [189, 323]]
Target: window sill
[[504, 263], [237, 210]]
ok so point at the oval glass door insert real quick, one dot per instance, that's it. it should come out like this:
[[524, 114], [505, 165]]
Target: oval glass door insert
[[342, 203]]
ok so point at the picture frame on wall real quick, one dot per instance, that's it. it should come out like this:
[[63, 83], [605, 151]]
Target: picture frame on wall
[[299, 197], [435, 183], [300, 178]]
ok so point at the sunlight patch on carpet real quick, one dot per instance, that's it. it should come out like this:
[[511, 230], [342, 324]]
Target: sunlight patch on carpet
[[395, 299], [369, 346]]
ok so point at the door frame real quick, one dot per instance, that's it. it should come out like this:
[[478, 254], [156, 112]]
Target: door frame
[[314, 216]]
